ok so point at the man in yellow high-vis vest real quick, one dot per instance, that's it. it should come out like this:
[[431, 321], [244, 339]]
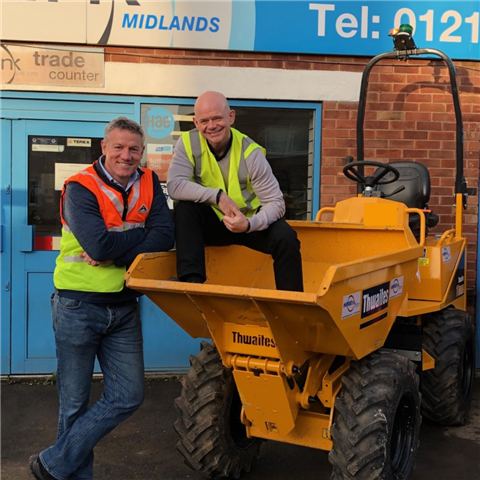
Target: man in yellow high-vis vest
[[227, 194]]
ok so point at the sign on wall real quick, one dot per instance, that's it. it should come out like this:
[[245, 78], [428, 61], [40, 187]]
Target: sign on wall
[[33, 65], [300, 26]]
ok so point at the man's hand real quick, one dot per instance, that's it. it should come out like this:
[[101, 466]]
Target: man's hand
[[225, 204], [94, 263], [236, 221]]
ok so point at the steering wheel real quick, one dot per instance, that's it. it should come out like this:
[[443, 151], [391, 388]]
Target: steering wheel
[[351, 172]]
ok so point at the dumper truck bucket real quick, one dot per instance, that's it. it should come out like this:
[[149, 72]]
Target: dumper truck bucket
[[357, 271]]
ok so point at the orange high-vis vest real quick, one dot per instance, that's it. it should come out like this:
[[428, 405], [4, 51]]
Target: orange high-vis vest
[[71, 271]]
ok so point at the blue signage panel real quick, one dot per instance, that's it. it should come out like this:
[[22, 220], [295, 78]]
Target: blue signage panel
[[302, 26], [362, 27]]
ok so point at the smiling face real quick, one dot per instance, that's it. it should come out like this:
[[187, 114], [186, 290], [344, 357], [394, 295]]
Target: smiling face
[[213, 118], [123, 152]]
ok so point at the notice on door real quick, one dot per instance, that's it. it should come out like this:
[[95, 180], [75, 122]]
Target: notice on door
[[66, 170], [32, 65]]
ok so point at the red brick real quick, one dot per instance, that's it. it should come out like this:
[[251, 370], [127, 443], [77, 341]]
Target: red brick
[[169, 52], [392, 78], [442, 154], [293, 65], [428, 126], [389, 153], [388, 134], [417, 154], [338, 133], [410, 144], [414, 135], [434, 107], [155, 60], [381, 106], [376, 125], [420, 97], [328, 125], [212, 62], [114, 50], [270, 64], [241, 63], [344, 142], [124, 58], [442, 135], [403, 126], [342, 114]]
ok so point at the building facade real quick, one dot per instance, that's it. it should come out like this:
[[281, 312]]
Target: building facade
[[292, 72]]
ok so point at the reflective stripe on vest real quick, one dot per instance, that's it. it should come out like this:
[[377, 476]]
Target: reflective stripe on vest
[[71, 271], [208, 174]]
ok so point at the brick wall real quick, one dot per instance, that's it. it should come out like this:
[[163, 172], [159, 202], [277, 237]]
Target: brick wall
[[409, 116]]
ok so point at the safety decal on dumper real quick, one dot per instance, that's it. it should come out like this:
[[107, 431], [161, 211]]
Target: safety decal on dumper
[[396, 287], [351, 305]]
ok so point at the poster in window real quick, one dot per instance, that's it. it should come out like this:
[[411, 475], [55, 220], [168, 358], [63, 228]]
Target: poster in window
[[159, 157]]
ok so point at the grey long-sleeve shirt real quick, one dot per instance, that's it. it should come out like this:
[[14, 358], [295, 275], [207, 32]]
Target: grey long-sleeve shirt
[[264, 184]]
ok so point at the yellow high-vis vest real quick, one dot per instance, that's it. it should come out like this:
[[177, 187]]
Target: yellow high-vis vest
[[208, 173]]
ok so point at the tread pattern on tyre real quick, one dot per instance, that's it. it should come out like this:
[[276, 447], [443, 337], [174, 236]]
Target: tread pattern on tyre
[[363, 416], [203, 425], [445, 336]]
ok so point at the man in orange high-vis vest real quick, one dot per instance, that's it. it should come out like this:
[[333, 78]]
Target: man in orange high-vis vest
[[110, 212], [227, 195]]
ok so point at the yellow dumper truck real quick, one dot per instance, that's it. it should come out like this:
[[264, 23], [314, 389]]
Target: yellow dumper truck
[[379, 336]]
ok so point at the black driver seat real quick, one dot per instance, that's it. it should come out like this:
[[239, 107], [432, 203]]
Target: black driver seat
[[416, 180]]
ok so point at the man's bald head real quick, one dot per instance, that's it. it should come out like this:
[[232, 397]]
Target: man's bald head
[[211, 101], [213, 118]]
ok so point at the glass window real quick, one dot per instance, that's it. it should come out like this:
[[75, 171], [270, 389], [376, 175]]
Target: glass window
[[287, 136], [285, 133], [51, 159]]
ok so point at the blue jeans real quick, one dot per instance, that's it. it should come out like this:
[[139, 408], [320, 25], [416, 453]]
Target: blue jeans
[[84, 331]]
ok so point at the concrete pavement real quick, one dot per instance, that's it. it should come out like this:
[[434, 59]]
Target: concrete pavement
[[143, 447]]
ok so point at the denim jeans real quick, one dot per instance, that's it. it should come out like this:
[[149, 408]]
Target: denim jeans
[[83, 332]]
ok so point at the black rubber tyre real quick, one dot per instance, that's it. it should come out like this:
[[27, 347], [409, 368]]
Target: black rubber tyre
[[376, 420], [449, 338], [211, 437]]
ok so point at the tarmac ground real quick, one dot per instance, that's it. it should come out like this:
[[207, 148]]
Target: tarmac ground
[[143, 447]]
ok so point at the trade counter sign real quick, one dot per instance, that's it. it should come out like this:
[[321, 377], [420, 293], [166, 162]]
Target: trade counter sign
[[34, 65], [301, 26]]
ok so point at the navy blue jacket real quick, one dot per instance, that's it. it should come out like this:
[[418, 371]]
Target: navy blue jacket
[[82, 214]]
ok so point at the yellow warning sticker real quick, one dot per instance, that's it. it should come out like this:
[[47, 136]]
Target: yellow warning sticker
[[424, 262]]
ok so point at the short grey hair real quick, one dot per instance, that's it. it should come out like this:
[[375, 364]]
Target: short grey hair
[[124, 123]]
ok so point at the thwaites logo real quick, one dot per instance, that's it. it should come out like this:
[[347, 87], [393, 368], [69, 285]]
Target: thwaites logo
[[375, 299], [257, 340]]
